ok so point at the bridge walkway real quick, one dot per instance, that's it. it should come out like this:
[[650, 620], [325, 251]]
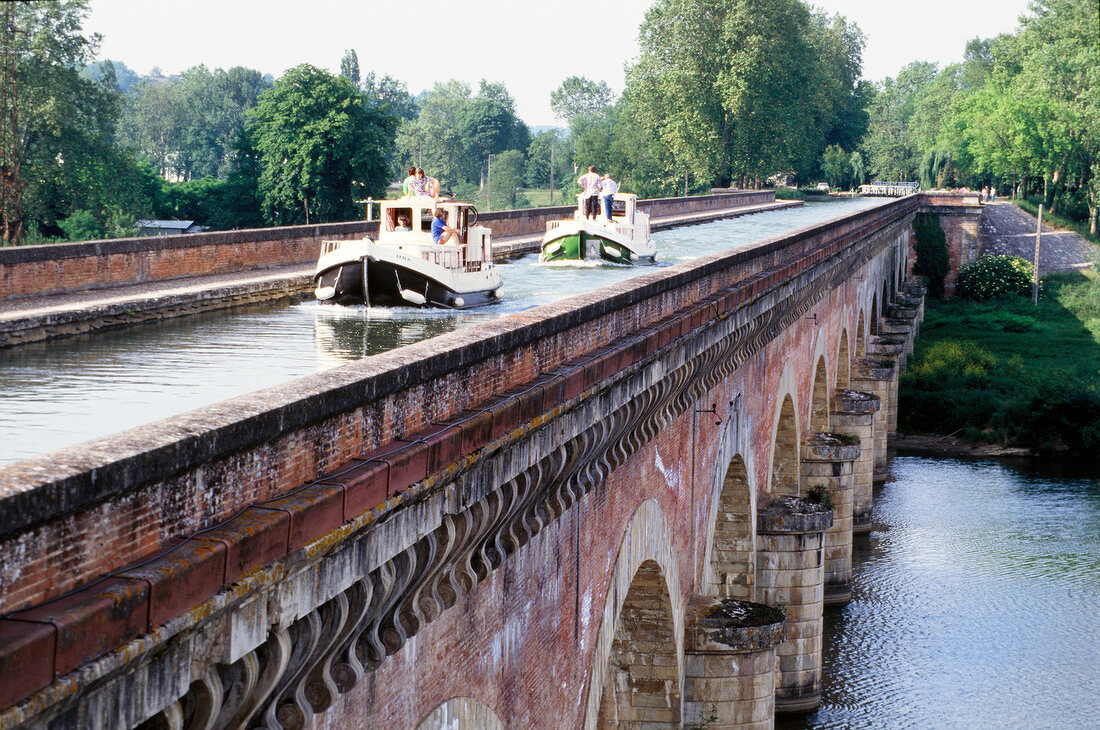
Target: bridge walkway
[[36, 319]]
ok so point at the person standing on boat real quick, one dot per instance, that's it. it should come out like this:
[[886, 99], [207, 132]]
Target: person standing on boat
[[590, 181], [608, 188], [441, 232], [431, 185]]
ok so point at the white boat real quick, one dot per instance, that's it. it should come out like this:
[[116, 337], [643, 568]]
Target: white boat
[[406, 267], [622, 240]]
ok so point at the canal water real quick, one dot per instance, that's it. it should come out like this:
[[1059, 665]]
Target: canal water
[[976, 603], [60, 393]]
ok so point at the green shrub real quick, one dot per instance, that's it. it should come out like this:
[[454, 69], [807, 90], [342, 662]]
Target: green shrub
[[1054, 415], [932, 262], [81, 225], [789, 194], [994, 277]]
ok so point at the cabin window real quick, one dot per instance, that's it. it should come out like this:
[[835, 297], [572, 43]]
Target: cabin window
[[426, 216], [399, 219]]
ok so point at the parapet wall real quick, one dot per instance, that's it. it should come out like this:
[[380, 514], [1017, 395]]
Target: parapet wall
[[67, 267]]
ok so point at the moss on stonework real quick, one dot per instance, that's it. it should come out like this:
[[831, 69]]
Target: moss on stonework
[[744, 613]]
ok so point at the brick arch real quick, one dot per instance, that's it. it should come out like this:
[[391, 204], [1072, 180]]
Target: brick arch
[[733, 545], [642, 685], [461, 713], [843, 362], [786, 471], [887, 286], [861, 336], [644, 569], [819, 398], [872, 323]]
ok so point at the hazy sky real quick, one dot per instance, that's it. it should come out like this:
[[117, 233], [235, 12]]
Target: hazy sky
[[529, 45]]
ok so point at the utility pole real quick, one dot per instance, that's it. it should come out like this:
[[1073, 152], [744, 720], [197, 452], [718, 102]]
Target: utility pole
[[489, 186], [551, 171], [1035, 266]]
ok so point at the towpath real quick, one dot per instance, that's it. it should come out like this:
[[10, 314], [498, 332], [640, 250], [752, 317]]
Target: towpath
[[1008, 230]]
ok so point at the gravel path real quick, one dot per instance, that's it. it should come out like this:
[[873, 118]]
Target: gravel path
[[1007, 229]]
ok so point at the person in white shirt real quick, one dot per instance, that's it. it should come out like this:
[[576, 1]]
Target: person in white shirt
[[608, 188], [590, 181]]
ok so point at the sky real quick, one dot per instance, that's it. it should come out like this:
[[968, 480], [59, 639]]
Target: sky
[[530, 45]]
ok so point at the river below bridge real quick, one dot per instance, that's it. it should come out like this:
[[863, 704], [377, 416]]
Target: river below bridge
[[975, 603], [63, 392]]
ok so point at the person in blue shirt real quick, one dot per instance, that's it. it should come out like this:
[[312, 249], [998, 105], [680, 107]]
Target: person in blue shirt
[[441, 232]]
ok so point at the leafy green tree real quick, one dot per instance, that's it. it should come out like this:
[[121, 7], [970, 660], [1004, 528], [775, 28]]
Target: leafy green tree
[[859, 174], [507, 180], [734, 91], [104, 71], [320, 147], [835, 163], [434, 139], [539, 159], [578, 96], [57, 126], [349, 66], [891, 144]]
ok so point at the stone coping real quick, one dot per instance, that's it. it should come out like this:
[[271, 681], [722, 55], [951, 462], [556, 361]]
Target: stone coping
[[786, 515], [723, 625], [854, 402], [67, 480], [823, 446], [873, 368]]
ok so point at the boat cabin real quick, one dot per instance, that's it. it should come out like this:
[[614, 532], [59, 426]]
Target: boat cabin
[[623, 208], [408, 223]]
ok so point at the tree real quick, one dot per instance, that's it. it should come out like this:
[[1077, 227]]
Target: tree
[[579, 96], [507, 179], [434, 139], [734, 91], [320, 147], [57, 126], [539, 159], [349, 66]]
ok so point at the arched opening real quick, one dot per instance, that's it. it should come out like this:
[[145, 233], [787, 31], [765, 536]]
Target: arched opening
[[819, 400], [861, 338], [642, 686], [843, 362], [886, 293], [785, 471], [733, 558], [872, 326], [461, 713]]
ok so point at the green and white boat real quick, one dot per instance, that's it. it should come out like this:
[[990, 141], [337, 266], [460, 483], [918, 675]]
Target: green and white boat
[[622, 240]]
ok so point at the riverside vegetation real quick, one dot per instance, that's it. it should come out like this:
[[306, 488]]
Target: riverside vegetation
[[994, 368]]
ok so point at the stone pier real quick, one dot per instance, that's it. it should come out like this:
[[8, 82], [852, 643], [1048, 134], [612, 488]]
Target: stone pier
[[790, 573], [730, 663], [853, 414], [828, 462], [874, 375]]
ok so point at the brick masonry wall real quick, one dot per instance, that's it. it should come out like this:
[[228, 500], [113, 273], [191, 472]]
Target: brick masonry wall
[[66, 267]]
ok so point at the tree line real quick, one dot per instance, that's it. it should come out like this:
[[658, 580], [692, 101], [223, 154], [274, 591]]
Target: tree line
[[724, 93]]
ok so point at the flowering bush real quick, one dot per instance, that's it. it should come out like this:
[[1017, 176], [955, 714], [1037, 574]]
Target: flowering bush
[[994, 277]]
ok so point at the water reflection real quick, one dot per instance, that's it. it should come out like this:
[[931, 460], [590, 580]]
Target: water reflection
[[974, 603], [60, 393]]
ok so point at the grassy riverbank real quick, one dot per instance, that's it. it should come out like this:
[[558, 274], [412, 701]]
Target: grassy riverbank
[[1009, 372]]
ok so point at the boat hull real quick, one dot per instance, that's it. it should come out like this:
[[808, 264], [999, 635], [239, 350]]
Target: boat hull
[[388, 284], [578, 241]]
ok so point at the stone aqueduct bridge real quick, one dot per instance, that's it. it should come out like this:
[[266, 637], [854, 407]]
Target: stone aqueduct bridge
[[564, 518]]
